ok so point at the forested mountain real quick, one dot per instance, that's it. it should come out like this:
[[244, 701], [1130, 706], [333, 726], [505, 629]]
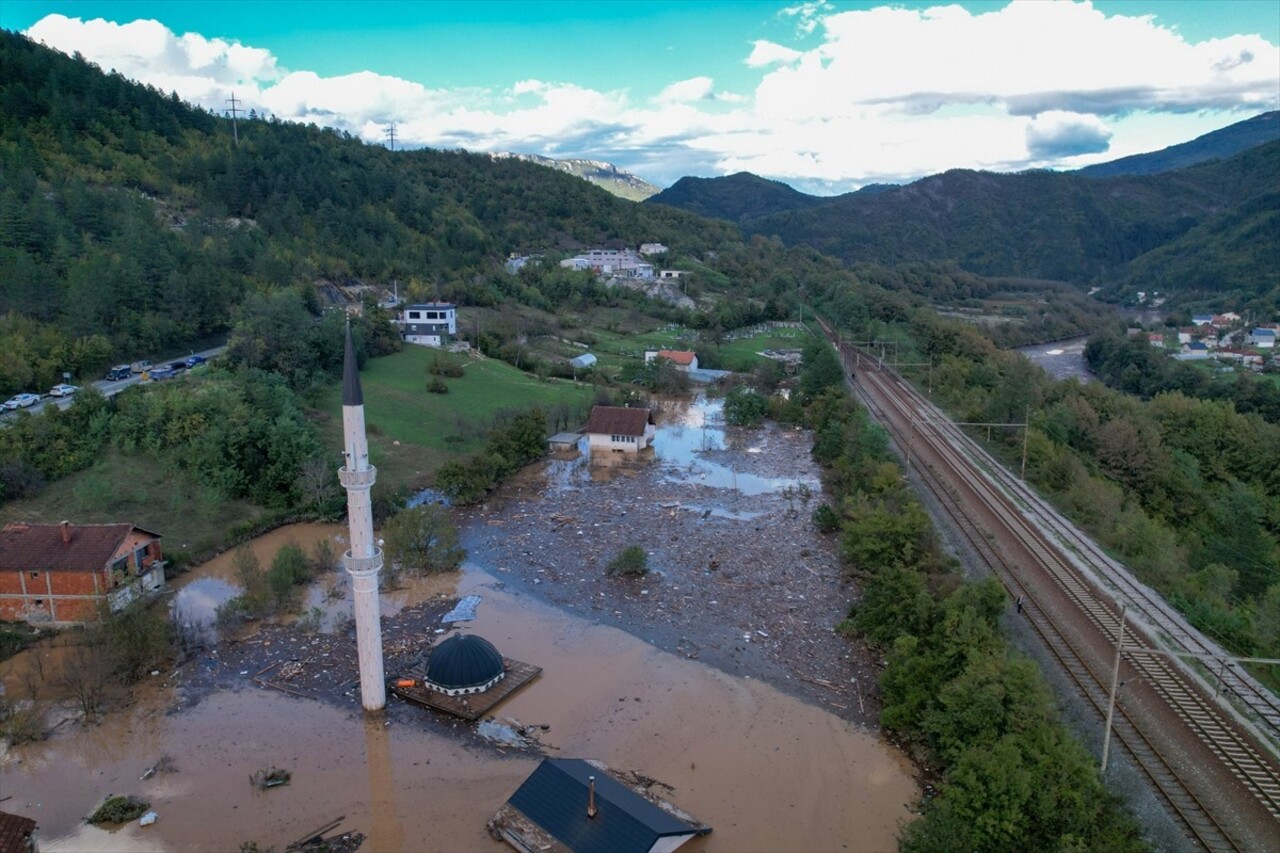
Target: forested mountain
[[1051, 225], [738, 197], [1218, 145], [607, 176], [130, 222]]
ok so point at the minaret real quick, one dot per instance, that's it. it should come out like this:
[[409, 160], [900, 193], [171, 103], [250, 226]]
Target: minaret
[[364, 560]]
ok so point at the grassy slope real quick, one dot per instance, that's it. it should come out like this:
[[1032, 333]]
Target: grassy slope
[[433, 427]]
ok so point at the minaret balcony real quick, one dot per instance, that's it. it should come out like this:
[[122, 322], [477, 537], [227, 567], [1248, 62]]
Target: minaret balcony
[[360, 565], [357, 479]]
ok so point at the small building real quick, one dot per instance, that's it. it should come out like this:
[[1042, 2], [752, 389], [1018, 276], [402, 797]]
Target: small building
[[17, 833], [1263, 338], [1195, 351], [59, 574], [683, 360], [1202, 320], [583, 362], [652, 249], [619, 428], [1156, 339], [672, 274], [571, 804], [430, 324]]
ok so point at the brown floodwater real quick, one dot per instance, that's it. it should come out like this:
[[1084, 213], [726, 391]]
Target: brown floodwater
[[766, 770]]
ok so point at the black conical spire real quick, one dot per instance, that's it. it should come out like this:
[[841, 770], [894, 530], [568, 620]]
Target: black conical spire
[[351, 393]]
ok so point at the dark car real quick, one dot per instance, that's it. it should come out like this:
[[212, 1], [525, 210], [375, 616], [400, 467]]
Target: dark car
[[194, 360], [178, 366], [156, 374], [119, 372]]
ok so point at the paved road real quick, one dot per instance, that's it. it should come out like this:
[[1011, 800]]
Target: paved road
[[109, 389]]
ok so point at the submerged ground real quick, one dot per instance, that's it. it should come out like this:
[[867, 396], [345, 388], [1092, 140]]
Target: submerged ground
[[718, 675]]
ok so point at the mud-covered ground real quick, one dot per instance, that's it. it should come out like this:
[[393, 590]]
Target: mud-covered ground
[[739, 579]]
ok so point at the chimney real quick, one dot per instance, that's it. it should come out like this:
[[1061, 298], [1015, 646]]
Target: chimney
[[66, 532], [591, 796]]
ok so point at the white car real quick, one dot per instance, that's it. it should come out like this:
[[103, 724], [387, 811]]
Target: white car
[[21, 401], [63, 390]]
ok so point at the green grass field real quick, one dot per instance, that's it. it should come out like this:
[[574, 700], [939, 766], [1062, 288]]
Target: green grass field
[[137, 490], [742, 354], [412, 432]]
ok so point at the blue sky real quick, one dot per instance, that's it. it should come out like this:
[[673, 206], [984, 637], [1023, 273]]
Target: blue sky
[[825, 96]]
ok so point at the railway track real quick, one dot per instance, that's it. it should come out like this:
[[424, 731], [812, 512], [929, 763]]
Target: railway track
[[1059, 574]]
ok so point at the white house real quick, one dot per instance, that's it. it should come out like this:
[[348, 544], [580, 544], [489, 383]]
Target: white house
[[652, 248], [431, 324], [1263, 338], [620, 429], [684, 361], [624, 263]]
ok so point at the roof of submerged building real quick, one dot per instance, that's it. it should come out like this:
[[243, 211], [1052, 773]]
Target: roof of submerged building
[[464, 660]]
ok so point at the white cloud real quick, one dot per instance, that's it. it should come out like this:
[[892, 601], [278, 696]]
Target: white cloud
[[769, 53], [693, 89], [873, 95]]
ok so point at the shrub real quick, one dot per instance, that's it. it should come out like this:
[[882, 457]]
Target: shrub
[[631, 562], [423, 539], [744, 407], [437, 386], [825, 519], [119, 809]]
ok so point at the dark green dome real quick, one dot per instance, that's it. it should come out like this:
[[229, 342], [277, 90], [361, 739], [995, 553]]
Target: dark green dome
[[464, 661]]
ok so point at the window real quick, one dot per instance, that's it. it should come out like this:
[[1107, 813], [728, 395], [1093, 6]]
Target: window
[[415, 315], [35, 574], [39, 602]]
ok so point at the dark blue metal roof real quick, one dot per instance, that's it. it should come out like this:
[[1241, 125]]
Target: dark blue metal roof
[[464, 661], [555, 798]]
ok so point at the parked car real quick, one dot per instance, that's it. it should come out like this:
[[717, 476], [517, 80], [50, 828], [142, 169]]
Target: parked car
[[21, 401], [196, 359], [156, 374], [140, 366], [178, 366], [63, 390], [120, 371]]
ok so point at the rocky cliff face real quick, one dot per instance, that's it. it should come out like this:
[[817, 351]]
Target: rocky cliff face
[[605, 175]]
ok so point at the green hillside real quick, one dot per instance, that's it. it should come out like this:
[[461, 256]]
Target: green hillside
[[1218, 145], [735, 197], [131, 223]]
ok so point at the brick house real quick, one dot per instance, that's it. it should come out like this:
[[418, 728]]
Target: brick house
[[59, 574], [620, 428]]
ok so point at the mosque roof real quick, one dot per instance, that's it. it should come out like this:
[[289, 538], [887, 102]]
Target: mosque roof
[[464, 660]]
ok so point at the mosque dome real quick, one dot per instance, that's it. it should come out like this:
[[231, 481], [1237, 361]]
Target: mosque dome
[[464, 664]]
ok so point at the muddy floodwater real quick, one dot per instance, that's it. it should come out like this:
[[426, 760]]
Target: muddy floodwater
[[675, 676], [1061, 359], [766, 770]]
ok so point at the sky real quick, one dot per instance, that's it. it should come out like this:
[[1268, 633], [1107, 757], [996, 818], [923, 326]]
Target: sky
[[825, 96]]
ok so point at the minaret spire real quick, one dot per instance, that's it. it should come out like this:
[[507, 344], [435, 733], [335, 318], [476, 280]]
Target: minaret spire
[[364, 560]]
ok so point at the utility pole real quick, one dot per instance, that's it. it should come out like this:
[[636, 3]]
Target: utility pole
[[1111, 702], [391, 135], [235, 111], [1026, 432]]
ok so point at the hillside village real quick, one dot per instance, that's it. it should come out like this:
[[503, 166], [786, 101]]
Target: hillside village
[[1221, 337]]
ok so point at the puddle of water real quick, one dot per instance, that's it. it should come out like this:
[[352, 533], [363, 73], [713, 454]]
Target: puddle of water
[[766, 770]]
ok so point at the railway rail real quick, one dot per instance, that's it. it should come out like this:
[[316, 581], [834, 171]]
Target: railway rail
[[1220, 778]]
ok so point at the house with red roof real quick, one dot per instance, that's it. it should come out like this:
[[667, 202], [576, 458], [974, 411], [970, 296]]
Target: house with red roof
[[682, 359], [61, 574], [618, 428]]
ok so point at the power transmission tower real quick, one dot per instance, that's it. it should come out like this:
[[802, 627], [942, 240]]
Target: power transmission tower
[[235, 111], [391, 135]]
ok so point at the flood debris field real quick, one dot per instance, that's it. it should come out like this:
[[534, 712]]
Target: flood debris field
[[739, 576]]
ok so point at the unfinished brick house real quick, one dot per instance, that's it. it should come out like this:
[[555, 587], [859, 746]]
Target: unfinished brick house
[[59, 574]]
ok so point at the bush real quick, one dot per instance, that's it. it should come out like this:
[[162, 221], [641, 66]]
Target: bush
[[825, 519], [423, 539], [437, 386], [744, 407], [631, 562], [445, 367], [119, 810]]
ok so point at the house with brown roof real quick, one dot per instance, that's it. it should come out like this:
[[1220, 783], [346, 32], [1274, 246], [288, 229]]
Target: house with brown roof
[[17, 833], [683, 360], [60, 574], [619, 428]]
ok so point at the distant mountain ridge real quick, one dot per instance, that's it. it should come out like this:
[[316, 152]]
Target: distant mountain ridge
[[604, 175], [736, 197], [1218, 145]]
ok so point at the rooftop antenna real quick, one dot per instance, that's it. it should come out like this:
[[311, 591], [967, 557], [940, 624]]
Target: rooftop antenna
[[391, 135], [235, 111], [591, 797]]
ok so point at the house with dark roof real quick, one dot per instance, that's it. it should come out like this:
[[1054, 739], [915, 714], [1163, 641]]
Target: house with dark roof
[[570, 804], [60, 574], [620, 428], [17, 833]]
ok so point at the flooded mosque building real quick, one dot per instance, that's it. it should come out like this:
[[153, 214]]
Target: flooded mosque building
[[364, 560]]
